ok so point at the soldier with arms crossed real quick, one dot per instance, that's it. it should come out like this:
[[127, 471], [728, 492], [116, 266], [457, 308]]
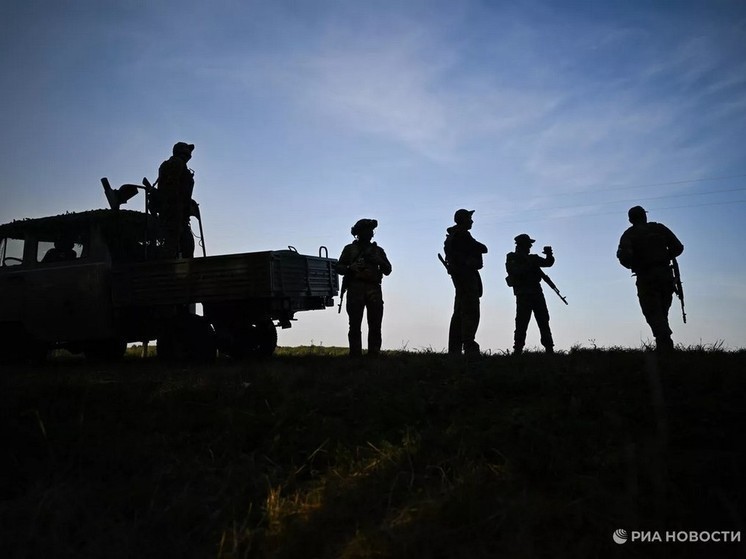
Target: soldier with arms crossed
[[464, 260]]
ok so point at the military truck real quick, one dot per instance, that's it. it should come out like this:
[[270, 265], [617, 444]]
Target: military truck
[[94, 281]]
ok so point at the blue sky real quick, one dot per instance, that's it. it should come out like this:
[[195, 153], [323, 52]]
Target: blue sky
[[550, 118]]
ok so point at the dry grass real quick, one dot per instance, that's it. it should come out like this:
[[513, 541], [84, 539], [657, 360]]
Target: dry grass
[[310, 454]]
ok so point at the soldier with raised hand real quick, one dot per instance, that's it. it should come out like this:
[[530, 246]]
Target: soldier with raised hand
[[647, 249], [175, 186], [464, 260], [524, 276], [363, 264]]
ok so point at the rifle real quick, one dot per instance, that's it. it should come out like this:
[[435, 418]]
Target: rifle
[[342, 292], [550, 283], [677, 287], [445, 264]]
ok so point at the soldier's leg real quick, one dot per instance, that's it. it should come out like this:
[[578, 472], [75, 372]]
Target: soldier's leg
[[656, 315], [665, 296], [355, 308], [186, 241], [541, 312], [522, 318], [470, 315], [374, 306], [455, 343], [171, 233]]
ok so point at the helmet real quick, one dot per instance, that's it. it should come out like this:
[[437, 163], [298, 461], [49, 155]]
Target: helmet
[[524, 239], [637, 213], [363, 225], [462, 215], [183, 147]]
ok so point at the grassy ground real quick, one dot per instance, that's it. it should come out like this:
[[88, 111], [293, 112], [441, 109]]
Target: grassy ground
[[311, 454]]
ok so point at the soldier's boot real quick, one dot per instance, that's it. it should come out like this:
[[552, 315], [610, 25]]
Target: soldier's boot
[[517, 350], [471, 348], [356, 344], [455, 346], [664, 344], [549, 348], [374, 342]]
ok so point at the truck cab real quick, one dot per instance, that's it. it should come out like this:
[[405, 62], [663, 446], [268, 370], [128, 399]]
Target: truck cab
[[55, 279]]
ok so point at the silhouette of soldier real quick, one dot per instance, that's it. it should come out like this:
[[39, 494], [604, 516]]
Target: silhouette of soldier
[[647, 248], [62, 251], [175, 186], [464, 260], [524, 276], [363, 264]]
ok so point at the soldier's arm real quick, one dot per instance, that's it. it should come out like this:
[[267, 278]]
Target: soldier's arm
[[545, 262], [675, 248], [515, 266], [345, 259], [624, 253], [167, 177], [472, 245], [383, 262]]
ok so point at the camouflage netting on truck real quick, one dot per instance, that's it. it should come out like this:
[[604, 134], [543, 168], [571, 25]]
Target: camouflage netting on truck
[[126, 232]]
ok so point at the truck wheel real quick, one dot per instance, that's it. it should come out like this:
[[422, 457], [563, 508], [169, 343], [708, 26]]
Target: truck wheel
[[111, 349], [265, 338], [17, 347], [187, 338], [250, 340]]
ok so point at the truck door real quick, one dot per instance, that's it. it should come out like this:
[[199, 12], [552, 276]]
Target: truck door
[[68, 299], [12, 284]]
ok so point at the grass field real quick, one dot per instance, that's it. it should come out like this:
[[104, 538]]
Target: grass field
[[311, 454]]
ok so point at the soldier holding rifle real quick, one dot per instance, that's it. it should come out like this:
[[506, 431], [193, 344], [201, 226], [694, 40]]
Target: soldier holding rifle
[[649, 249], [524, 276], [363, 264]]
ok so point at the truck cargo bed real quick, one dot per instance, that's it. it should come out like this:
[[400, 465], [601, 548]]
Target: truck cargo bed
[[232, 277]]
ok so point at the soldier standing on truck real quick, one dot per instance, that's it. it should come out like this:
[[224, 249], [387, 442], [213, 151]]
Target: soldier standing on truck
[[648, 249], [463, 261], [363, 264], [524, 276], [175, 186]]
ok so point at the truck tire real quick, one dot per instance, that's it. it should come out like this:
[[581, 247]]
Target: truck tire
[[250, 340], [266, 338], [187, 338], [108, 350], [17, 346]]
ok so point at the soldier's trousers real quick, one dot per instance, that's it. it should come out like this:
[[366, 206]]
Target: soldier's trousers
[[655, 293], [366, 298], [177, 236], [465, 318], [526, 304]]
